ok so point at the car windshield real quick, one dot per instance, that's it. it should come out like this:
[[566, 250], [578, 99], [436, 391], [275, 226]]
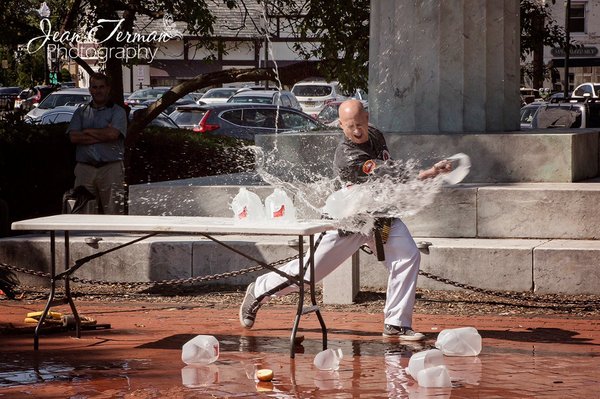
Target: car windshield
[[187, 118], [219, 93], [58, 99], [312, 90], [250, 99]]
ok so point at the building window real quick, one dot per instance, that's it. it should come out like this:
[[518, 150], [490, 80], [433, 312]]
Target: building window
[[577, 18]]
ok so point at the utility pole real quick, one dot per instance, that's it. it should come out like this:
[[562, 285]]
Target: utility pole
[[567, 40]]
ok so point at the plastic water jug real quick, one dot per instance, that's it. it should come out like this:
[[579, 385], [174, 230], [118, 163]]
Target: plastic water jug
[[247, 206], [279, 206], [202, 349], [199, 376], [434, 377], [464, 341], [329, 359], [425, 359]]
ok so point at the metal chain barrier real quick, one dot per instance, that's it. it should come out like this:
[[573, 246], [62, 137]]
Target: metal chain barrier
[[517, 296], [190, 280]]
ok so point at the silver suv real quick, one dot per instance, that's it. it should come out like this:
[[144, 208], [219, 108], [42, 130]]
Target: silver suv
[[313, 96], [282, 98]]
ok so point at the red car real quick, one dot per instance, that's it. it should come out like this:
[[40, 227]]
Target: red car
[[35, 95]]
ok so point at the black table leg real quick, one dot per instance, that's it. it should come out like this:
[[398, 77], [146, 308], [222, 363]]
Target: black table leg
[[313, 299], [36, 334], [68, 297], [300, 309]]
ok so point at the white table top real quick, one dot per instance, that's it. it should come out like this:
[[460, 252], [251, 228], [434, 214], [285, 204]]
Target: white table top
[[170, 224]]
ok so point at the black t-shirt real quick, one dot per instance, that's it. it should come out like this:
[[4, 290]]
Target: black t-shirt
[[355, 162]]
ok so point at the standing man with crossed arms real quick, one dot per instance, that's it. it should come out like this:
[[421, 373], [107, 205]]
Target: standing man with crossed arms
[[98, 130]]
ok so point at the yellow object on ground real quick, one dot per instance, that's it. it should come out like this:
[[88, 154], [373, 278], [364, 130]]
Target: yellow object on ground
[[49, 320], [51, 315], [264, 375]]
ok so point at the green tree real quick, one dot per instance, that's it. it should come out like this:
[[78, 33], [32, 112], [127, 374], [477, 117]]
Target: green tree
[[343, 32], [343, 46], [538, 29]]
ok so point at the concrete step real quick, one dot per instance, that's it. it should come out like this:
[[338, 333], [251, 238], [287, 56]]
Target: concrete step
[[544, 266], [515, 210]]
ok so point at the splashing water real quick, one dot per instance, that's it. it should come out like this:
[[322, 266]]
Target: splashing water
[[398, 194]]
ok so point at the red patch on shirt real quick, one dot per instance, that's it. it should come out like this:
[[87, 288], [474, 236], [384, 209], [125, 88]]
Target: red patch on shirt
[[368, 167]]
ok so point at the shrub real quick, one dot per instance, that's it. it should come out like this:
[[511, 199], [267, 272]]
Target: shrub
[[37, 162]]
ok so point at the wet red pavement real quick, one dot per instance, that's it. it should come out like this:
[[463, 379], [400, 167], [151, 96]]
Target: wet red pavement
[[140, 357]]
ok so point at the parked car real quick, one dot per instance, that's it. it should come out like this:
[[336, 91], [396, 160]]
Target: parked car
[[8, 95], [197, 95], [67, 85], [58, 98], [587, 90], [313, 96], [64, 114], [330, 114], [242, 121], [185, 100], [60, 114], [217, 96], [34, 96], [162, 119], [558, 97], [282, 98], [21, 98], [528, 113], [528, 95], [142, 95], [362, 95], [567, 115]]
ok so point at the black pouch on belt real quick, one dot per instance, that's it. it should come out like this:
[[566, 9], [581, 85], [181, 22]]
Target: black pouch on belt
[[381, 233], [379, 245]]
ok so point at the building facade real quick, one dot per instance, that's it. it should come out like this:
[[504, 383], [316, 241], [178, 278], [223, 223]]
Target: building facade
[[584, 61], [238, 41]]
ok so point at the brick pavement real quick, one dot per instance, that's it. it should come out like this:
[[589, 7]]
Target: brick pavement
[[140, 356]]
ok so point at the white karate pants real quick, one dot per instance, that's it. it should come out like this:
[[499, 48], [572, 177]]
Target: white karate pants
[[402, 259]]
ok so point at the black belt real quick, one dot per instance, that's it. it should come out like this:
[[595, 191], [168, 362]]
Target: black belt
[[98, 164]]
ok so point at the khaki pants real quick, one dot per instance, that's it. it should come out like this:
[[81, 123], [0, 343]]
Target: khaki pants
[[107, 183]]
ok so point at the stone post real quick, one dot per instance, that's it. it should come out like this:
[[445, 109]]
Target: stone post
[[448, 66]]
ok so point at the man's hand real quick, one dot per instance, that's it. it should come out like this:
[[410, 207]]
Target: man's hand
[[443, 166]]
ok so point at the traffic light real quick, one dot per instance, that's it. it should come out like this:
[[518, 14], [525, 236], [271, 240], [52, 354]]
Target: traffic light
[[53, 78]]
